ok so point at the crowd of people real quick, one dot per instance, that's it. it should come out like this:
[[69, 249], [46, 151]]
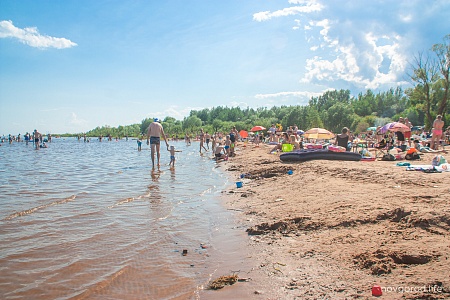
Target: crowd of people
[[36, 138], [223, 145]]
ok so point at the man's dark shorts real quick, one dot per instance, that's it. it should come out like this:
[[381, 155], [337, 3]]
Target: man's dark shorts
[[155, 140]]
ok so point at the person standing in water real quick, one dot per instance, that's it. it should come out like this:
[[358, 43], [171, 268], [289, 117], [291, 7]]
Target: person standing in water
[[154, 133], [172, 156], [202, 140], [37, 136]]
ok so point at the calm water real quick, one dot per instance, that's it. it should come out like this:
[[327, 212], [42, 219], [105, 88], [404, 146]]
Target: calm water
[[90, 220]]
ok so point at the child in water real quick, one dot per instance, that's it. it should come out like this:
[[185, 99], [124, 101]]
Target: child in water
[[139, 143], [172, 155]]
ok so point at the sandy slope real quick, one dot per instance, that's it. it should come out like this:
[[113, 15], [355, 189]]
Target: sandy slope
[[334, 229]]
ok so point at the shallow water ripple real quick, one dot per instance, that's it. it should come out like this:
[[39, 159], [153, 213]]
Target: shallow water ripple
[[91, 220]]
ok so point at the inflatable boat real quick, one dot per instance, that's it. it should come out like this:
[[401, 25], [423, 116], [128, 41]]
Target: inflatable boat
[[312, 154]]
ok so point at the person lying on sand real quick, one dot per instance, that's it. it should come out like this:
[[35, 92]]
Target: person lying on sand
[[424, 149]]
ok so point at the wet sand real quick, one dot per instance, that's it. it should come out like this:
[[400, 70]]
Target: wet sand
[[334, 229]]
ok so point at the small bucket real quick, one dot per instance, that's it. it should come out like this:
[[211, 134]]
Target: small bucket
[[239, 184]]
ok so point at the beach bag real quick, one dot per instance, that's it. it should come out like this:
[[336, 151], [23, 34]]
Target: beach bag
[[388, 157], [412, 156], [438, 160]]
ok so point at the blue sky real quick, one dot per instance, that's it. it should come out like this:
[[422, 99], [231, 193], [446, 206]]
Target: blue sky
[[73, 65]]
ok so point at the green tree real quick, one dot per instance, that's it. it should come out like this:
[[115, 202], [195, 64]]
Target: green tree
[[192, 123], [338, 116], [442, 52], [423, 95]]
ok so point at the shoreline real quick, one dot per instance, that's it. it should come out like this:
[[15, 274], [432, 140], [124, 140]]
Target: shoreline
[[335, 229]]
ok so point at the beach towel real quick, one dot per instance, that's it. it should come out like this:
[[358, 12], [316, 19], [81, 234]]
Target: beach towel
[[428, 168]]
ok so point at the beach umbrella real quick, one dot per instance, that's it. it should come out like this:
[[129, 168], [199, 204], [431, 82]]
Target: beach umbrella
[[371, 129], [243, 134], [300, 132], [394, 127], [318, 134], [257, 128]]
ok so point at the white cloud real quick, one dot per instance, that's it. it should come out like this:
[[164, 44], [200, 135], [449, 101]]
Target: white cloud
[[308, 7], [288, 94], [173, 111], [355, 44], [354, 54], [31, 37], [74, 120], [406, 18]]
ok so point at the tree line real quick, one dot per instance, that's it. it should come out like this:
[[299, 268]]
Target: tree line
[[429, 73]]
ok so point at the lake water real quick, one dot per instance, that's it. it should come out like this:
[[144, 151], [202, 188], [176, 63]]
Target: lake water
[[91, 221]]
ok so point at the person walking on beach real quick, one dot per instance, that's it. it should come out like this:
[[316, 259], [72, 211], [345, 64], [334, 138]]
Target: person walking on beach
[[202, 139], [37, 136], [233, 139], [438, 124], [207, 139], [154, 133]]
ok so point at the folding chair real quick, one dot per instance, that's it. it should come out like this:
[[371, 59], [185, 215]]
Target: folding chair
[[381, 148]]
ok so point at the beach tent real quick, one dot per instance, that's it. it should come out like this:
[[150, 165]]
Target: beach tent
[[318, 134], [243, 134]]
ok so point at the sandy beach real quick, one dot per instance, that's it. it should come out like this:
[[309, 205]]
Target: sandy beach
[[335, 229]]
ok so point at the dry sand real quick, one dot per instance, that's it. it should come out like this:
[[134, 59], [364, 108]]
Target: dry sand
[[334, 229]]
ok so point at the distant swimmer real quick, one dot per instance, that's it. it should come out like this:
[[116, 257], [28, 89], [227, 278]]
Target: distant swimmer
[[154, 133]]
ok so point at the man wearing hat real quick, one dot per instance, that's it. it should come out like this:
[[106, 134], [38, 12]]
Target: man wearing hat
[[154, 133]]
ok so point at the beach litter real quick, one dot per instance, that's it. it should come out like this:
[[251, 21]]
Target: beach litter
[[290, 172], [239, 184]]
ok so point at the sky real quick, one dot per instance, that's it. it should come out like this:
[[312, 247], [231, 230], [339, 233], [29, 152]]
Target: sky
[[70, 66]]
